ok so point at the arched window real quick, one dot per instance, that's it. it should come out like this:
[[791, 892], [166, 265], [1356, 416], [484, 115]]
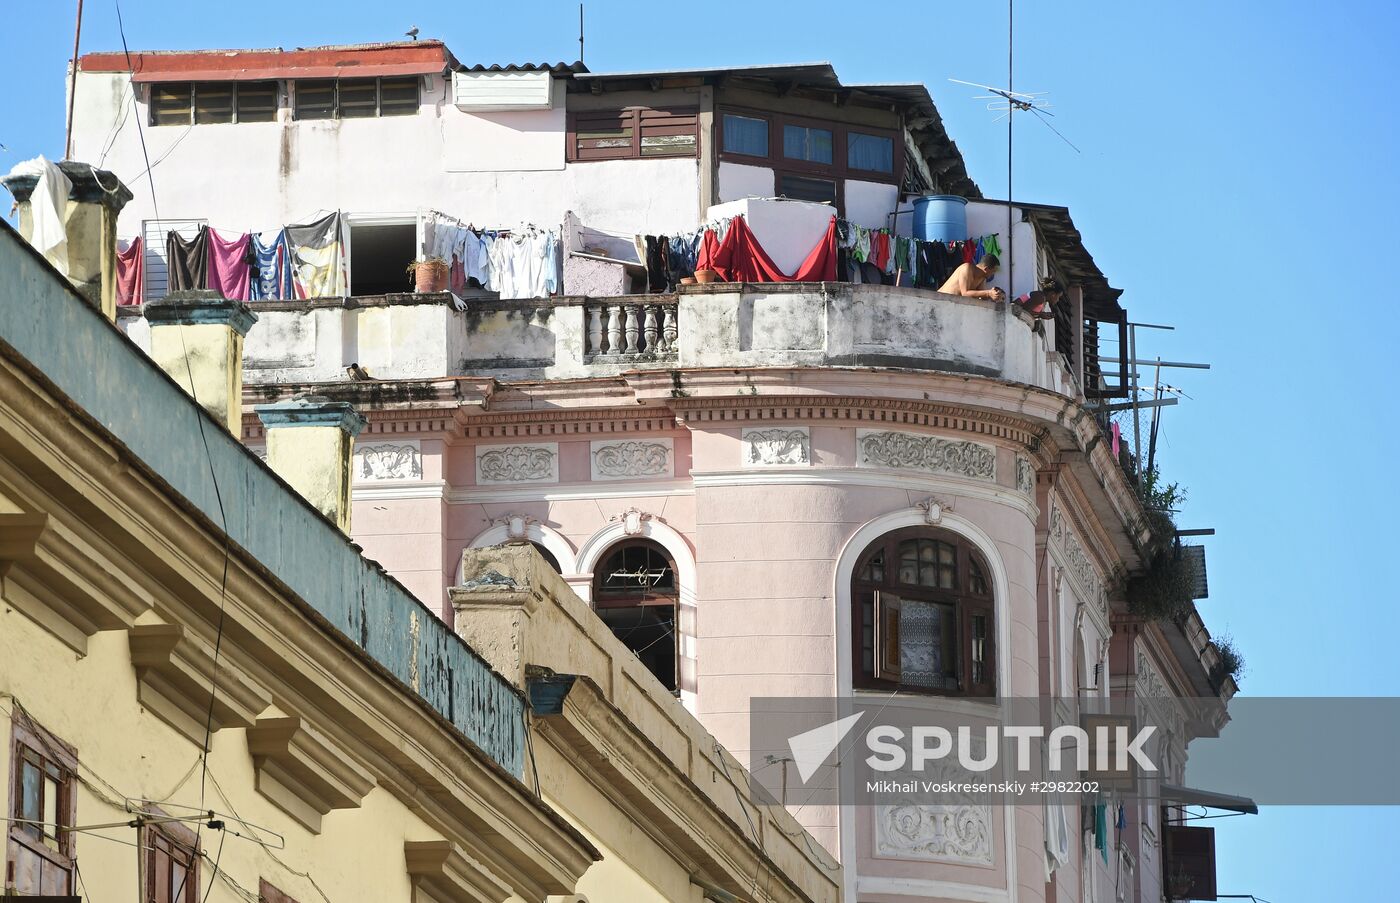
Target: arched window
[[924, 615], [635, 592]]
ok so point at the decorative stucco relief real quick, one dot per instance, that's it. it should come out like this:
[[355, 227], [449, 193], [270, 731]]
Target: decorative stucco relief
[[777, 446], [1025, 476], [961, 834], [1076, 559], [517, 463], [629, 459], [1163, 709], [388, 462], [909, 451]]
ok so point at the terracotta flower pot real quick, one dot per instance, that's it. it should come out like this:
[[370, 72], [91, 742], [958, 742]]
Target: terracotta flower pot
[[704, 277], [430, 276], [687, 280]]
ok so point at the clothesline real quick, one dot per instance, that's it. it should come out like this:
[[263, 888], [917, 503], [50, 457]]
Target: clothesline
[[309, 260], [846, 253]]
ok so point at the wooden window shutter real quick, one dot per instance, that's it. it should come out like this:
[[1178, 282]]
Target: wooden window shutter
[[668, 133], [979, 647], [887, 656], [603, 135]]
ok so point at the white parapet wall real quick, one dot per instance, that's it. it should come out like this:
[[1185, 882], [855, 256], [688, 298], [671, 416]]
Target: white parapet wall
[[718, 325]]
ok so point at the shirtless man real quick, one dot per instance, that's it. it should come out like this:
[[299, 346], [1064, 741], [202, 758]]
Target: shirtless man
[[967, 280]]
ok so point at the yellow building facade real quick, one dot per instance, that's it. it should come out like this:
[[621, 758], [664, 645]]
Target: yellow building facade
[[164, 592]]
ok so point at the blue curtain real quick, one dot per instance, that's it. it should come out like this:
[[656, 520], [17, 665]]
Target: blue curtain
[[871, 153], [745, 135], [812, 145]]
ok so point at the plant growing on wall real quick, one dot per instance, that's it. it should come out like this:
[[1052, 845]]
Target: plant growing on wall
[[1162, 590], [1229, 664]]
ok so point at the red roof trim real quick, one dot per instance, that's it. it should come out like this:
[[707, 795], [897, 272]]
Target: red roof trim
[[418, 58]]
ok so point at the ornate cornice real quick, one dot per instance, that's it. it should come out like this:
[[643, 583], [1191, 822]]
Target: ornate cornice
[[873, 412]]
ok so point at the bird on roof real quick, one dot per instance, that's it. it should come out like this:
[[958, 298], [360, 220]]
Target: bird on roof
[[412, 33], [357, 373]]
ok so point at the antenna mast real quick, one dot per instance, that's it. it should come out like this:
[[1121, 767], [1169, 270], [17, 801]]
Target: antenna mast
[[73, 85], [1010, 126], [580, 32]]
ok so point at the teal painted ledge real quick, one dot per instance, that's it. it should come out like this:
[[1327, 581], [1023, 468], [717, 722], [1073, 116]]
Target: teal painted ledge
[[91, 362]]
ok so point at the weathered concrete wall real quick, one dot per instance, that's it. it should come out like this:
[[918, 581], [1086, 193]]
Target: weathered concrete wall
[[496, 170], [719, 326]]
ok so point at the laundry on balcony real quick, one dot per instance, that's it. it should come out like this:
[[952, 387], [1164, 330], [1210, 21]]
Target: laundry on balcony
[[738, 257], [230, 262], [523, 262], [130, 272], [318, 257], [272, 264], [877, 256]]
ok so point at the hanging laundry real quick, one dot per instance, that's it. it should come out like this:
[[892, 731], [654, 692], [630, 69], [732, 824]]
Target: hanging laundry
[[230, 265], [880, 250], [47, 208], [478, 262], [187, 262], [650, 247], [131, 265], [273, 262], [682, 250], [550, 277], [740, 258], [992, 245], [318, 259], [1101, 829], [503, 276], [553, 265]]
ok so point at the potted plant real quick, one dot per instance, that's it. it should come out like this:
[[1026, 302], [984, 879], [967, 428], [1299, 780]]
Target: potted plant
[[429, 274]]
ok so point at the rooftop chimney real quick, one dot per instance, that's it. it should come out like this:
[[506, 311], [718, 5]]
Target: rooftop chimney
[[84, 202], [310, 441], [197, 338]]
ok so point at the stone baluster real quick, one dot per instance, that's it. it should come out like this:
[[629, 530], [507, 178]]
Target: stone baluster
[[615, 329], [649, 329], [669, 332], [595, 330], [632, 330]]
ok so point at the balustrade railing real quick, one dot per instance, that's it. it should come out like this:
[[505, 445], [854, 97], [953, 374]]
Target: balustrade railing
[[620, 329]]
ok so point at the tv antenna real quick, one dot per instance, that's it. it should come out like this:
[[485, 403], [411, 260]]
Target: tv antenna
[[1009, 102]]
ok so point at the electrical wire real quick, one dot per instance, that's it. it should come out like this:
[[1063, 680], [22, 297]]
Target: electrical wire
[[757, 839], [213, 476], [218, 857]]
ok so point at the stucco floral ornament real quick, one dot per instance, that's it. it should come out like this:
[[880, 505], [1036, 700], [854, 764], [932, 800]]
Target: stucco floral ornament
[[518, 463], [633, 459]]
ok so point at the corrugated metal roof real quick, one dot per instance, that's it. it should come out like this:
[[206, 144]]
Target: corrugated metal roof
[[767, 70], [575, 68]]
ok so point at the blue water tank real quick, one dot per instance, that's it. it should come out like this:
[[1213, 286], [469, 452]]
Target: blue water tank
[[940, 217]]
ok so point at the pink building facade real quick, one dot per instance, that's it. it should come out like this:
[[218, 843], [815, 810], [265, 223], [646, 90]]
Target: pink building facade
[[722, 498]]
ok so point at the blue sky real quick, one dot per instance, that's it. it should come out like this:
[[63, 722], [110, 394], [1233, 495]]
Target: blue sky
[[1237, 179]]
